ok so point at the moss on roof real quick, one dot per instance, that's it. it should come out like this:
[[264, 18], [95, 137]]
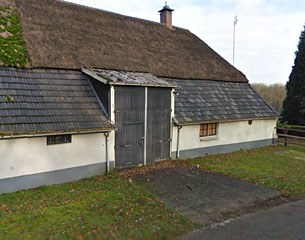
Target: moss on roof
[[13, 51]]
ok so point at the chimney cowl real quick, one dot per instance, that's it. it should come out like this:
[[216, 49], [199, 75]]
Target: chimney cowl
[[166, 8]]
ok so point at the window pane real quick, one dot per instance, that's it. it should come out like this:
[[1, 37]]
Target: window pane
[[58, 139], [212, 129], [203, 130], [209, 129]]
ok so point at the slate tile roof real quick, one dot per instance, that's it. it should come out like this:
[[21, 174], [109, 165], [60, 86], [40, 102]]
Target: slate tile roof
[[113, 77], [38, 101], [213, 101]]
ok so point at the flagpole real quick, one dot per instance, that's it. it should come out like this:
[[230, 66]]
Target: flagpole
[[234, 25]]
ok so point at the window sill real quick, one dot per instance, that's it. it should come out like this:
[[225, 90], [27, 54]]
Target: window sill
[[209, 138]]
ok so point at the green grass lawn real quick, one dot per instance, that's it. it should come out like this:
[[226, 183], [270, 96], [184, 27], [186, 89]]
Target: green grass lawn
[[96, 208], [113, 208], [279, 167]]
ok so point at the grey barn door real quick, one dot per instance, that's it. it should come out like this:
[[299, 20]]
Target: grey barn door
[[158, 124], [129, 137], [134, 130]]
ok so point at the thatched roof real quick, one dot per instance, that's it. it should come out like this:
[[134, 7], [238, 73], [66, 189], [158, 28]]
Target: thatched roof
[[7, 2], [65, 35]]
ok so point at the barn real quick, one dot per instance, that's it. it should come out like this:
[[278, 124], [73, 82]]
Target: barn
[[105, 90]]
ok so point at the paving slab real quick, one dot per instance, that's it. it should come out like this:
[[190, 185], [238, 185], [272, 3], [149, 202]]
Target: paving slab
[[203, 197]]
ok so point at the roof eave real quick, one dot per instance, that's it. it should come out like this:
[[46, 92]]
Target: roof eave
[[109, 81], [94, 75], [223, 120], [44, 134]]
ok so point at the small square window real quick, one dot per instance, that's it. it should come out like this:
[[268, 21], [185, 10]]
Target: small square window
[[208, 129], [59, 139]]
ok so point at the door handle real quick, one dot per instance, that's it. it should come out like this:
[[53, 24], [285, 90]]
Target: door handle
[[142, 141]]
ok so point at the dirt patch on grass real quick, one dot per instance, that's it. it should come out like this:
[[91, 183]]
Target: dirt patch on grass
[[149, 169]]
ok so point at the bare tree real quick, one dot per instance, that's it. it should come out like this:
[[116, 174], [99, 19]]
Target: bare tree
[[274, 94]]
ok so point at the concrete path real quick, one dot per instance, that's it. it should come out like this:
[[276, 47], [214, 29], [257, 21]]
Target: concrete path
[[284, 222], [204, 197]]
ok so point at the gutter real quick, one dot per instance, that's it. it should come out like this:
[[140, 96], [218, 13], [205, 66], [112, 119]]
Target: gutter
[[225, 121], [2, 137]]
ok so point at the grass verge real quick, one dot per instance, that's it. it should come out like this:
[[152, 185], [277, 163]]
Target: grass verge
[[96, 208], [279, 167]]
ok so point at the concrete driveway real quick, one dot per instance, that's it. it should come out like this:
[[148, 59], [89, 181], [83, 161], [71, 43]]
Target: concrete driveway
[[204, 197]]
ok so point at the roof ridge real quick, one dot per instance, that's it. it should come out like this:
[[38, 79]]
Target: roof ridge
[[115, 13]]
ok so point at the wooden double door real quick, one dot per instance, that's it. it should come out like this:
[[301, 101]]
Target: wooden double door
[[143, 120]]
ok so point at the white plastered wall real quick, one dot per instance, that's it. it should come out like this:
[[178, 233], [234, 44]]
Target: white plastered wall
[[228, 133], [24, 156]]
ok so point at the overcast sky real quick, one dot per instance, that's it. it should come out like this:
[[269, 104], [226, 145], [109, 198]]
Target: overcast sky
[[267, 32]]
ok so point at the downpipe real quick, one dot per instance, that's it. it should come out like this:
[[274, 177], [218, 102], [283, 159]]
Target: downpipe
[[106, 134], [178, 141]]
